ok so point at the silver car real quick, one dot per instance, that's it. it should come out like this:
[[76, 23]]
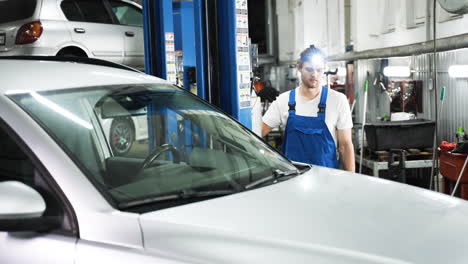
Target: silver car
[[103, 29], [201, 189]]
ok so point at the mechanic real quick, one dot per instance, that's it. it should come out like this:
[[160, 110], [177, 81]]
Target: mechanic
[[317, 119]]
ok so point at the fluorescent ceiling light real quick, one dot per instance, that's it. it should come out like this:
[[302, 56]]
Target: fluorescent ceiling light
[[341, 71], [458, 71], [56, 108], [397, 71]]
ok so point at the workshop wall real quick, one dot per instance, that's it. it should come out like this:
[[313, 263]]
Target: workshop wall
[[286, 29], [388, 23], [374, 24], [305, 22], [455, 109]]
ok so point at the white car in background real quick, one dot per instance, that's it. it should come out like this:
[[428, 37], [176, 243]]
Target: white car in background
[[104, 29], [210, 191], [123, 132]]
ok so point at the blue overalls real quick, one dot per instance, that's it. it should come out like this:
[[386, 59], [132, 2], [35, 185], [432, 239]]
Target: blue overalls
[[307, 139]]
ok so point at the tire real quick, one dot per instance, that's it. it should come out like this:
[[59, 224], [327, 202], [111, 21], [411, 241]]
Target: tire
[[72, 52], [122, 136], [70, 55]]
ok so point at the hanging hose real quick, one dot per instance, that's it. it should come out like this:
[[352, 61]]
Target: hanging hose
[[354, 101], [460, 176], [434, 85], [442, 96], [366, 87], [352, 105]]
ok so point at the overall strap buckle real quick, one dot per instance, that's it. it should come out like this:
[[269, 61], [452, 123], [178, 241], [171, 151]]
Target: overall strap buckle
[[292, 107], [292, 101], [323, 102]]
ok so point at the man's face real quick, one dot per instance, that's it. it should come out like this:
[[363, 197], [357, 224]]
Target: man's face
[[311, 74]]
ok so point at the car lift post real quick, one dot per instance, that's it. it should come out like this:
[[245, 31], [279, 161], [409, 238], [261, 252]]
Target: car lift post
[[235, 69], [233, 74]]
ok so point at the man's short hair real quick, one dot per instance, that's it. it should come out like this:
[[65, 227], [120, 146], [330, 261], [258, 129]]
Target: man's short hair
[[309, 53]]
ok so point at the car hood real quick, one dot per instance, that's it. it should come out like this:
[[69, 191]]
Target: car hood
[[324, 216]]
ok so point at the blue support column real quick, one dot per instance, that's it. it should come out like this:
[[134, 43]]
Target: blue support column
[[157, 24], [200, 46], [185, 36], [172, 133], [234, 60], [188, 134], [158, 27]]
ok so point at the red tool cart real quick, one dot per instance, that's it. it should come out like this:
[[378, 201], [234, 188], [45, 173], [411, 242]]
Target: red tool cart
[[451, 165]]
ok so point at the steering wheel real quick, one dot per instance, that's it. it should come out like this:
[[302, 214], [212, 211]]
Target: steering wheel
[[155, 154]]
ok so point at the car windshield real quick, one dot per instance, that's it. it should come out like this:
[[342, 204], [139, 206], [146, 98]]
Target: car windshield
[[140, 143]]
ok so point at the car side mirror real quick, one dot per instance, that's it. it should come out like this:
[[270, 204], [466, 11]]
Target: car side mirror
[[22, 208]]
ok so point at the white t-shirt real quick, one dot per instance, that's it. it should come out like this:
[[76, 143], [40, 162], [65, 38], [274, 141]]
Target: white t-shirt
[[337, 112]]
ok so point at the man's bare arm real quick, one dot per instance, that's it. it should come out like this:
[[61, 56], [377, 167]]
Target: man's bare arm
[[346, 148], [265, 129]]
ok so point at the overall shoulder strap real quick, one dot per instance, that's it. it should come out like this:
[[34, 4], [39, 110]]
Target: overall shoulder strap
[[323, 103], [292, 102]]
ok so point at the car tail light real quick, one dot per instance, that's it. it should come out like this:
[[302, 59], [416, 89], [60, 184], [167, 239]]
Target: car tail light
[[28, 33]]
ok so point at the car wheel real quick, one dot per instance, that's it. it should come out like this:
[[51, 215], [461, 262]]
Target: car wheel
[[72, 52], [122, 135]]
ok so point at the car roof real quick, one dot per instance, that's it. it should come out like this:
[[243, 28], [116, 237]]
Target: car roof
[[40, 75]]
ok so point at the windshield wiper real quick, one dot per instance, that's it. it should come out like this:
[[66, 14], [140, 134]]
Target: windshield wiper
[[275, 177], [177, 195]]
